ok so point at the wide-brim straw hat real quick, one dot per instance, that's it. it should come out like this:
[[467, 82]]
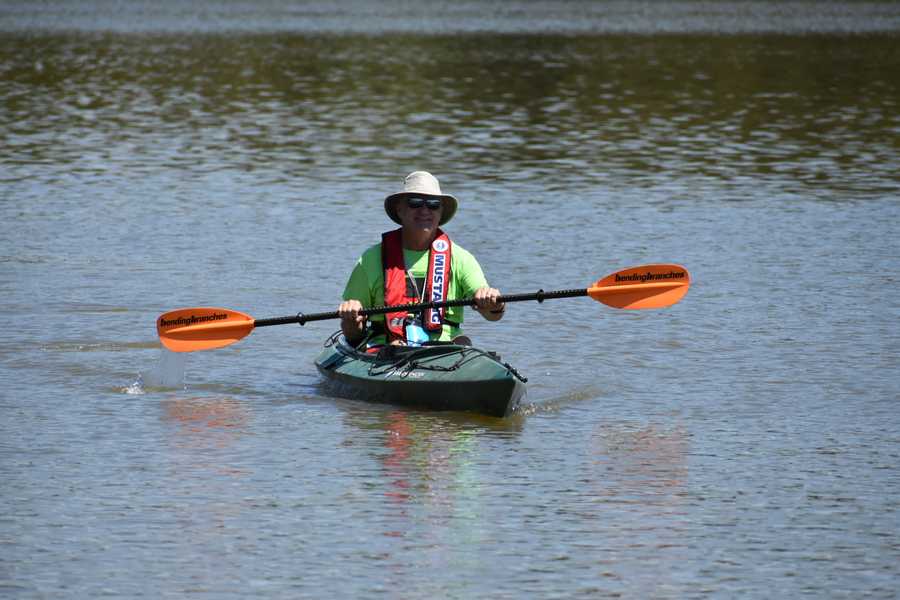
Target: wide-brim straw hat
[[421, 184]]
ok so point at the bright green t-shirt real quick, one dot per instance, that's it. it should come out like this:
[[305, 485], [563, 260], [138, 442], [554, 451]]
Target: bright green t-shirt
[[366, 282]]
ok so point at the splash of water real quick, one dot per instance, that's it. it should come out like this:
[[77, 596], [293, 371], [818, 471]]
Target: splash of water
[[167, 373]]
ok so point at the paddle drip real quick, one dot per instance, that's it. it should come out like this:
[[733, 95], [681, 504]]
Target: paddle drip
[[168, 373]]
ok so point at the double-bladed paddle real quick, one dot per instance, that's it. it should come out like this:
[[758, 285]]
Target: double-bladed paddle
[[205, 328]]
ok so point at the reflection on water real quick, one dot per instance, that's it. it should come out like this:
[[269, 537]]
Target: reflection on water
[[434, 458], [204, 423], [424, 451], [398, 443], [649, 464], [433, 480], [444, 495]]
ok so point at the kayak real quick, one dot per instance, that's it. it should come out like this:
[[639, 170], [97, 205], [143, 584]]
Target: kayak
[[437, 376]]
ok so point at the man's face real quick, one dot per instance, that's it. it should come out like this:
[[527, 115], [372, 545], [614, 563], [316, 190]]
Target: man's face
[[419, 219]]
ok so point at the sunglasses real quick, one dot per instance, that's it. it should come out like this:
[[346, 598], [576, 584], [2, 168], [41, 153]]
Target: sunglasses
[[431, 203]]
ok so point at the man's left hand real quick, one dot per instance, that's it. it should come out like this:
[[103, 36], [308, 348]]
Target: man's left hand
[[486, 302]]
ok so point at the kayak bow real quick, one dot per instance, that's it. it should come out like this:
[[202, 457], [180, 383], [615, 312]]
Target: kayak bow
[[439, 377]]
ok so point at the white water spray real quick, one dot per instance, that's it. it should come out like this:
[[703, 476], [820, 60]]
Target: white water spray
[[168, 373]]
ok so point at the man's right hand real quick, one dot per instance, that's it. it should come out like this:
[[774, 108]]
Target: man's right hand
[[353, 324]]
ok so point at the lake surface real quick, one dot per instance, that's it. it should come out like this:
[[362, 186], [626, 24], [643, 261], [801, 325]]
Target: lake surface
[[743, 443]]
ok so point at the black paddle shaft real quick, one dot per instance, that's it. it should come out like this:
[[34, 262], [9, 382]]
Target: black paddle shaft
[[301, 318]]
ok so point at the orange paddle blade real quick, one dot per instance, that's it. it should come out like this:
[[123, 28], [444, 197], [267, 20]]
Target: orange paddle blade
[[190, 329], [647, 286]]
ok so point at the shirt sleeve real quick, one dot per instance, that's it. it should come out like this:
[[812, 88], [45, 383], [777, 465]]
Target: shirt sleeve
[[366, 282], [470, 275], [358, 287]]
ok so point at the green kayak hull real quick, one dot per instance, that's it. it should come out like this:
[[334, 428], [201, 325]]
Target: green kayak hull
[[439, 377]]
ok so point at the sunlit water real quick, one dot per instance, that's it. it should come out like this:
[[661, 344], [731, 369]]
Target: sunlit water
[[740, 444]]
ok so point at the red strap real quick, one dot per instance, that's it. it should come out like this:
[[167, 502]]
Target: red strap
[[394, 282]]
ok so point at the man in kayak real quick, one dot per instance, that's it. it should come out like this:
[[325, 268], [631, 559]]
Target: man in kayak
[[413, 264]]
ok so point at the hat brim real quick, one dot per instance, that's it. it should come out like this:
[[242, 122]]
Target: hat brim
[[449, 205]]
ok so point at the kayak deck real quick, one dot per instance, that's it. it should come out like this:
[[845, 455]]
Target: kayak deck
[[439, 377]]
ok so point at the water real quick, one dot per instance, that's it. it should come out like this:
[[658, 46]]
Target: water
[[740, 444]]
